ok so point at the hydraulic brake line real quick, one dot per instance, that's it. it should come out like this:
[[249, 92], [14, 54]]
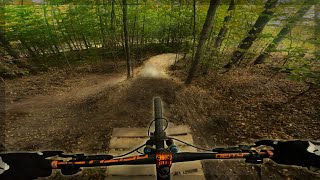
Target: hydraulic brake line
[[167, 124], [136, 149], [189, 144]]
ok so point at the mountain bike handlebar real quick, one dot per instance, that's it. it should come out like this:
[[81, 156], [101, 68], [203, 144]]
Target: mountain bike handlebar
[[163, 159], [156, 153], [34, 165]]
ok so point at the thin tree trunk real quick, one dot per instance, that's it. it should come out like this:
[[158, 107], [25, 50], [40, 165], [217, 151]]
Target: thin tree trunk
[[26, 45], [137, 36], [48, 28], [178, 42], [76, 34], [103, 41], [246, 43], [203, 38], [223, 31], [35, 49], [142, 33], [55, 31], [133, 31], [55, 45], [68, 34], [42, 50], [114, 39], [317, 30], [126, 43], [284, 31], [76, 38], [221, 35], [137, 32], [194, 28], [86, 43], [59, 24], [41, 44], [112, 26], [169, 32]]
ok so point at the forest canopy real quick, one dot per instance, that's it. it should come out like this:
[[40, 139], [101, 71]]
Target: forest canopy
[[240, 32]]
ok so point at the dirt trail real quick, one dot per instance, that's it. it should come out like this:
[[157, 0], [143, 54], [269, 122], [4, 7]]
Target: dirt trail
[[155, 67], [77, 92], [39, 122], [81, 116]]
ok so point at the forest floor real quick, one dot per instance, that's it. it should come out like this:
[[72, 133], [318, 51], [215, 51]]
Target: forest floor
[[76, 112]]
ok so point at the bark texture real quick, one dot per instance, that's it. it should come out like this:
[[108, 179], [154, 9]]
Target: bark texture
[[203, 38], [255, 31]]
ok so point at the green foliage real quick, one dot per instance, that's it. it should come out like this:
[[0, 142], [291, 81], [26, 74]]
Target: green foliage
[[303, 73], [78, 29], [301, 68]]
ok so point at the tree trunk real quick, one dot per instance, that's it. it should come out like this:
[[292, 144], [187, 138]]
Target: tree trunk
[[85, 41], [137, 37], [48, 29], [203, 38], [142, 33], [76, 38], [223, 31], [317, 31], [113, 37], [194, 28], [126, 43], [68, 38], [221, 35], [112, 16], [55, 45], [292, 21], [102, 25], [246, 43], [133, 31], [53, 16], [27, 46], [65, 34]]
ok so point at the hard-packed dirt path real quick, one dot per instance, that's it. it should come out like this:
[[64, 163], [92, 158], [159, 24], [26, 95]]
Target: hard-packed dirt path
[[65, 117], [34, 122], [79, 114]]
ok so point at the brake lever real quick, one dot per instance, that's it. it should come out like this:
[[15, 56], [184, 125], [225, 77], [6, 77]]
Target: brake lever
[[76, 157], [51, 153], [71, 168], [94, 157], [254, 158], [237, 149]]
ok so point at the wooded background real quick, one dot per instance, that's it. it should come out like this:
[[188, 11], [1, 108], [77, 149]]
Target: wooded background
[[215, 35]]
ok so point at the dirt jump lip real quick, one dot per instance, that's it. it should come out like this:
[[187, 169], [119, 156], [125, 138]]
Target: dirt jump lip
[[157, 66]]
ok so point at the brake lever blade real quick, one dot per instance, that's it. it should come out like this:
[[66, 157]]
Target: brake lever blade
[[51, 153], [82, 157], [98, 157], [231, 150], [238, 149], [76, 156]]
